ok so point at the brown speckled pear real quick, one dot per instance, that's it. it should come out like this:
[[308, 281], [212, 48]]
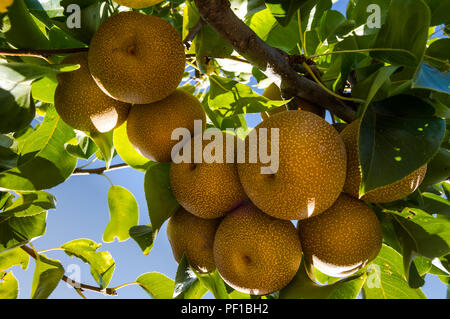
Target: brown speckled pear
[[150, 126], [343, 239], [207, 190], [136, 58], [195, 237], [256, 253], [385, 194], [311, 170], [81, 104], [137, 4]]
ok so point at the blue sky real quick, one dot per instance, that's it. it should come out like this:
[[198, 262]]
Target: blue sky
[[82, 212]]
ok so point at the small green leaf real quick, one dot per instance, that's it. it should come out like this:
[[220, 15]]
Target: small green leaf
[[284, 10], [157, 285], [44, 162], [158, 193], [9, 287], [17, 231], [47, 275], [386, 278], [104, 142], [32, 203], [232, 98], [430, 234], [438, 169], [124, 213], [127, 152], [82, 146], [214, 283], [302, 287], [102, 264], [14, 257], [187, 285], [144, 236]]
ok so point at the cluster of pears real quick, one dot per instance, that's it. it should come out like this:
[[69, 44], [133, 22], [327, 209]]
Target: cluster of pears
[[231, 216], [238, 220]]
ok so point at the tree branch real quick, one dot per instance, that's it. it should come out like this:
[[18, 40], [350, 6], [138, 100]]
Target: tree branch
[[39, 53], [74, 284], [192, 33], [99, 171], [218, 14]]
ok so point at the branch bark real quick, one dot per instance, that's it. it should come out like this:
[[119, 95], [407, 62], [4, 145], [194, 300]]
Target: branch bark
[[74, 284], [218, 14], [192, 33], [99, 171]]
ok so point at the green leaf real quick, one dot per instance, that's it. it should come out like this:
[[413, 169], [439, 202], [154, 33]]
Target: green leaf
[[32, 203], [209, 44], [9, 287], [214, 283], [435, 204], [47, 275], [232, 98], [127, 152], [386, 278], [44, 89], [397, 136], [158, 193], [124, 212], [14, 257], [157, 285], [187, 285], [302, 287], [8, 153], [104, 142], [284, 10], [17, 231], [431, 235], [93, 13], [428, 77], [438, 53], [82, 146], [438, 169], [144, 236], [44, 162], [410, 32], [439, 11], [24, 31], [102, 264], [50, 8], [368, 88]]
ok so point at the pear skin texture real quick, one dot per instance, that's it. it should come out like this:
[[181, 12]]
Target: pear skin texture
[[311, 171], [150, 126], [80, 102], [343, 239], [255, 253], [385, 194], [206, 189], [137, 58], [195, 237], [137, 4]]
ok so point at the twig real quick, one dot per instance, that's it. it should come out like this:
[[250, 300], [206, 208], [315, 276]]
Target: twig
[[74, 284], [99, 171], [192, 33], [39, 53], [218, 14]]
